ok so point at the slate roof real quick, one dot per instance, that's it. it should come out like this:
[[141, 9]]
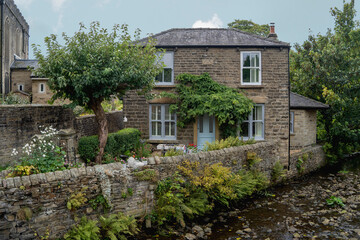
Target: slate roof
[[300, 102], [24, 64], [211, 37]]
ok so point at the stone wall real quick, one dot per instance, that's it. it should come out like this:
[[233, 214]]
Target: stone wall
[[18, 123], [47, 194], [223, 65], [23, 77], [304, 128]]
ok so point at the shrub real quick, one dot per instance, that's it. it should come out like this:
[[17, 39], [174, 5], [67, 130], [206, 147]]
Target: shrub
[[226, 143], [173, 152], [118, 143], [278, 172], [147, 175], [86, 229]]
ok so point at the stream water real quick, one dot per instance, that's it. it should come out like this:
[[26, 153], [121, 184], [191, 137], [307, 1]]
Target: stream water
[[295, 210]]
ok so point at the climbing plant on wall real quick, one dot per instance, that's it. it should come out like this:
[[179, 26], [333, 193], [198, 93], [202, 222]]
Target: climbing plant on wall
[[200, 94]]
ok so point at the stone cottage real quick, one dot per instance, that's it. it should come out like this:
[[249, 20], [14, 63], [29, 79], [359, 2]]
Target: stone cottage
[[250, 63], [14, 40]]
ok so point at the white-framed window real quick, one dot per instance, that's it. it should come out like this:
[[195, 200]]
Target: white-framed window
[[251, 68], [253, 127], [291, 122], [162, 122], [20, 87], [42, 88], [166, 77]]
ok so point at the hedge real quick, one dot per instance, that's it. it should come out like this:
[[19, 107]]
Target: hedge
[[117, 143]]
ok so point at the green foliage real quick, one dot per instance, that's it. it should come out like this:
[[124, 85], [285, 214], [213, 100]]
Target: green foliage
[[118, 143], [117, 226], [13, 99], [176, 200], [226, 143], [77, 199], [252, 158], [335, 201], [94, 64], [142, 150], [173, 152], [326, 68], [85, 230], [278, 172], [147, 175], [250, 27], [300, 165], [200, 95], [114, 104], [100, 200], [20, 170], [24, 213]]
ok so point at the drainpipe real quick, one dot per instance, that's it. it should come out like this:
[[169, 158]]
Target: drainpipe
[[1, 47], [289, 106]]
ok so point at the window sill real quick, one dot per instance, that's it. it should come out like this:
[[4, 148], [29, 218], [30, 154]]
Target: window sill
[[165, 86], [162, 141], [251, 86]]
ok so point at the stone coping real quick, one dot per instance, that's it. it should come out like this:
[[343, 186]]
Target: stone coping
[[111, 168]]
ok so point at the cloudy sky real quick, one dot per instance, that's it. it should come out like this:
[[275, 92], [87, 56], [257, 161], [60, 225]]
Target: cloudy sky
[[293, 18]]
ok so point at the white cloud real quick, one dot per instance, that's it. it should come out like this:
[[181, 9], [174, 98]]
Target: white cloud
[[59, 24], [57, 4], [215, 22], [23, 3]]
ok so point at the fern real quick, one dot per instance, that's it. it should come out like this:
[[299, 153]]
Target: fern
[[117, 226], [85, 230]]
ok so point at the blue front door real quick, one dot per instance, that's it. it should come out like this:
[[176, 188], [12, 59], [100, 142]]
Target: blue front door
[[206, 130]]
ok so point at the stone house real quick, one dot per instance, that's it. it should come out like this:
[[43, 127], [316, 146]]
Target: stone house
[[252, 64], [14, 40], [303, 121]]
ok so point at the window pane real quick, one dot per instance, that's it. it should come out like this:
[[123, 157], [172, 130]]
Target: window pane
[[254, 76], [246, 75], [201, 125], [246, 60], [211, 122], [156, 128], [257, 113], [155, 113], [159, 78], [257, 129], [254, 60], [167, 113], [167, 74], [170, 129], [244, 129]]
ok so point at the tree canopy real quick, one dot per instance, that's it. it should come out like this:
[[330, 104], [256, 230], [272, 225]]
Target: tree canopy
[[95, 64], [327, 68], [250, 27]]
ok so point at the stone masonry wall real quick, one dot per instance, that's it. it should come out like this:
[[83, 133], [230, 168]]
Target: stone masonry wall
[[304, 129], [47, 194], [21, 76], [223, 65], [19, 123]]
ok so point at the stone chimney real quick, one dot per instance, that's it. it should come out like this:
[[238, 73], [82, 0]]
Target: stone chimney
[[272, 35]]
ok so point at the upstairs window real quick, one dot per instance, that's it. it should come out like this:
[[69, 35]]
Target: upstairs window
[[162, 122], [167, 75], [250, 68], [254, 126]]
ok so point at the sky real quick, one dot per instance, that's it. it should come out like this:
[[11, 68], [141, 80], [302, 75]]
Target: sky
[[294, 19]]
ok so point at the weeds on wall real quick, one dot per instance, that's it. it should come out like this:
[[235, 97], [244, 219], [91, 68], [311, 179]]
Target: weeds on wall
[[300, 163], [226, 143], [100, 201], [77, 199], [278, 172]]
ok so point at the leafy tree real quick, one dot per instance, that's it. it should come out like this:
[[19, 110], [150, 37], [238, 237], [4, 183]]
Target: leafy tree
[[250, 27], [327, 68], [93, 65]]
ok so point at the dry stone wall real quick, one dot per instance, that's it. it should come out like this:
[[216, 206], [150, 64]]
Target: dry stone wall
[[46, 195]]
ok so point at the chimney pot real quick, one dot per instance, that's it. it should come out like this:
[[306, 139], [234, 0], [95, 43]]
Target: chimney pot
[[272, 34]]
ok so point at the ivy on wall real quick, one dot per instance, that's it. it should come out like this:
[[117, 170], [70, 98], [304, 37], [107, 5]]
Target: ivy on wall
[[200, 94]]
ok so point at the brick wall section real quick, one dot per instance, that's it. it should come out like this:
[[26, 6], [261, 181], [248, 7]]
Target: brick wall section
[[304, 129], [223, 65], [87, 126], [47, 194], [21, 76], [18, 123]]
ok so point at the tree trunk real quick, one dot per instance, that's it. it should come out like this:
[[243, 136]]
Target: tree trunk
[[103, 127]]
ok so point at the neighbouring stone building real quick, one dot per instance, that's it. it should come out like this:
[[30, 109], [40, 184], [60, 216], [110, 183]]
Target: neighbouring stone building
[[250, 63], [303, 121], [14, 40]]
